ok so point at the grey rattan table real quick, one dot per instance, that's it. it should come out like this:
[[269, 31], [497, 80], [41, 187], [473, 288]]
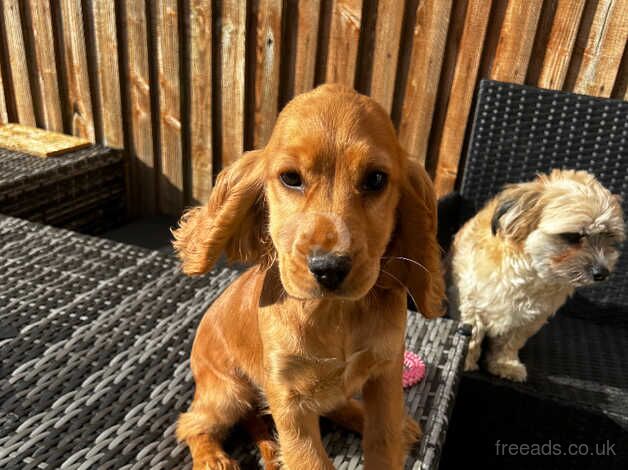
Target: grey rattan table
[[83, 190], [94, 345]]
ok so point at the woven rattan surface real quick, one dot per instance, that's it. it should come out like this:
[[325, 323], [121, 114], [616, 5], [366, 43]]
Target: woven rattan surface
[[519, 131], [94, 357], [581, 363], [82, 190]]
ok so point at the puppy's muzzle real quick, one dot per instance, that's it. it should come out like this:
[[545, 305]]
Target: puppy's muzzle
[[329, 269]]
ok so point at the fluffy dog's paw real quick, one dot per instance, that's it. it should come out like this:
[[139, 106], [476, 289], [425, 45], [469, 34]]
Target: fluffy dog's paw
[[411, 432], [470, 365], [511, 370], [216, 461]]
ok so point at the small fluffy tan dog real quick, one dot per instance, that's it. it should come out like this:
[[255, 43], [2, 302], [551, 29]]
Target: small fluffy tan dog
[[516, 262], [328, 213]]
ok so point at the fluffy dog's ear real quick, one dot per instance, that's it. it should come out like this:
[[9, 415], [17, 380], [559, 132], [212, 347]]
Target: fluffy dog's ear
[[233, 219], [503, 206], [413, 255], [518, 211]]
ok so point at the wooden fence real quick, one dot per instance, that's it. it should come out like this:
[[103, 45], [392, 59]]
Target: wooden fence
[[185, 85]]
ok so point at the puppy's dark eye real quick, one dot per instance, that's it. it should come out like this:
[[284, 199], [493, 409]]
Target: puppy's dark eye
[[374, 181], [291, 179], [572, 238]]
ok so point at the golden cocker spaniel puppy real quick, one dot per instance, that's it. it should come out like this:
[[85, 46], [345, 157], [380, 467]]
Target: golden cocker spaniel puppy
[[339, 225]]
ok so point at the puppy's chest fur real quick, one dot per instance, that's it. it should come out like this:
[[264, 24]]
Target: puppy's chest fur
[[325, 351]]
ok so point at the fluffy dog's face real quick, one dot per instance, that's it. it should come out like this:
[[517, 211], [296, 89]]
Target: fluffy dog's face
[[575, 227], [332, 187]]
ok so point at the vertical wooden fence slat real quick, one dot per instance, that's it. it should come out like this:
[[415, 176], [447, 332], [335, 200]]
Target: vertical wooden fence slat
[[516, 40], [461, 96], [387, 35], [17, 63], [79, 97], [560, 44], [344, 37], [306, 41], [605, 47], [620, 89], [171, 149], [201, 98], [232, 50], [107, 71], [428, 49], [543, 29], [454, 34], [4, 117], [139, 98], [580, 44], [267, 69], [493, 31], [44, 63]]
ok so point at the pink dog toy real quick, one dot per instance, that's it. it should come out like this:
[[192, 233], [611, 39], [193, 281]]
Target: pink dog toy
[[413, 369]]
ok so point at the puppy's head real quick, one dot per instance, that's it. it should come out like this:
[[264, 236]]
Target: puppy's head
[[568, 224], [332, 199]]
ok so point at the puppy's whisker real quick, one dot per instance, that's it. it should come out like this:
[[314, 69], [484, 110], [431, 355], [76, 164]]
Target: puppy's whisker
[[402, 285], [403, 258]]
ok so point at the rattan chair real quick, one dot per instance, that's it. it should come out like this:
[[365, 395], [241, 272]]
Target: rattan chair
[[577, 388]]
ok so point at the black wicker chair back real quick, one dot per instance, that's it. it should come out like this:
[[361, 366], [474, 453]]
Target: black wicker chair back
[[519, 131]]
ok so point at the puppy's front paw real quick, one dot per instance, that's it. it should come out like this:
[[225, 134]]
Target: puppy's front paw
[[508, 369], [215, 461]]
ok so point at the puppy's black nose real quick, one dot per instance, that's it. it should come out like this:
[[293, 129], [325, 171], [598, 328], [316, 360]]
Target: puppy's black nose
[[329, 269], [599, 273]]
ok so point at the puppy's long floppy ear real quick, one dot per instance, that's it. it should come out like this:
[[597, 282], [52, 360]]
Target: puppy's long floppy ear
[[415, 239], [518, 210], [233, 219]]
